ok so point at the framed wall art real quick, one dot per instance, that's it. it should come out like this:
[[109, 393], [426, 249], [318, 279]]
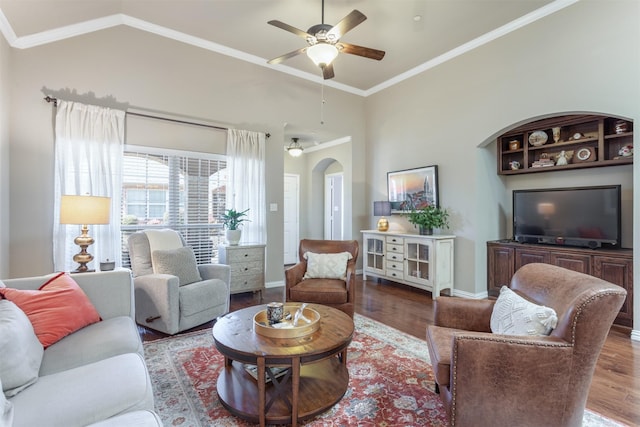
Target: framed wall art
[[413, 188]]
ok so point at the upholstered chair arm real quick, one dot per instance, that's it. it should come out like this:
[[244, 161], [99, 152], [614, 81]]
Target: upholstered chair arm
[[215, 271], [527, 379], [351, 279], [463, 313], [157, 300], [294, 275]]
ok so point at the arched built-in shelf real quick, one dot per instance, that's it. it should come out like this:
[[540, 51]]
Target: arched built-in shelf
[[585, 141]]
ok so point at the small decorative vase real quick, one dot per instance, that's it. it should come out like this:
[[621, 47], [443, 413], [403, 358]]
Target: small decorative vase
[[424, 231], [233, 237]]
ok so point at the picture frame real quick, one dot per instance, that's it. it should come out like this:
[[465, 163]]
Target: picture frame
[[412, 188]]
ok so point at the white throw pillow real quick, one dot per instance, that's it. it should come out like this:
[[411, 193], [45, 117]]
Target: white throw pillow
[[179, 262], [514, 315], [20, 350], [326, 266]]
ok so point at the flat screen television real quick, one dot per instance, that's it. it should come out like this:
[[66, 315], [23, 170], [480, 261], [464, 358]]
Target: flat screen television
[[579, 216]]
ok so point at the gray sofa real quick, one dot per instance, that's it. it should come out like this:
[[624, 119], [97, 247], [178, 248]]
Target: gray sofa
[[95, 376]]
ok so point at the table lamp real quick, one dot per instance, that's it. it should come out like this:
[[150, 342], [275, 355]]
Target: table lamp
[[382, 209], [84, 210]]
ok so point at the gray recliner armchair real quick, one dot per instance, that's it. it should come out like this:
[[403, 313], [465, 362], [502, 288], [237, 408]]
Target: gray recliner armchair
[[174, 294]]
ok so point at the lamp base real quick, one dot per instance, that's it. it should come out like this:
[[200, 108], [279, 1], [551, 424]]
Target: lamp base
[[383, 224], [83, 257]]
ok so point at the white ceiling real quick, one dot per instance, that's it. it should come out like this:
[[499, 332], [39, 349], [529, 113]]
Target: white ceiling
[[238, 28]]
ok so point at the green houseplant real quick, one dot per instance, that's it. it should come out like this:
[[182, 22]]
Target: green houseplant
[[232, 219], [428, 218]]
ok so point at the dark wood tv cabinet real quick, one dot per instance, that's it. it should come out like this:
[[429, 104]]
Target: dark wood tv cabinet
[[505, 257]]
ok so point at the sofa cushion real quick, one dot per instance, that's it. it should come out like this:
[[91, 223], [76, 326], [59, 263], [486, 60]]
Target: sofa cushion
[[111, 337], [326, 266], [57, 309], [514, 315], [202, 296], [179, 262], [6, 410], [86, 394], [20, 351]]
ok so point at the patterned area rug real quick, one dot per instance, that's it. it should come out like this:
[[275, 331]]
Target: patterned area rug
[[390, 382]]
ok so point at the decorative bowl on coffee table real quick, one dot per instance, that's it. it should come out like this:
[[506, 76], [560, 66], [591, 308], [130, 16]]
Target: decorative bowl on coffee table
[[307, 324]]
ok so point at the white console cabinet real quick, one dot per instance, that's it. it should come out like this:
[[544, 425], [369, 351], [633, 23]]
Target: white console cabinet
[[425, 262]]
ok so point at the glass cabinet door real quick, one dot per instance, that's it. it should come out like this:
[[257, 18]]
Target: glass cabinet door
[[375, 253], [418, 258]]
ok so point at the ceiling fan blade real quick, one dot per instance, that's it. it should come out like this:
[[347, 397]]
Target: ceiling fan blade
[[361, 51], [327, 72], [286, 56], [348, 23], [289, 28]]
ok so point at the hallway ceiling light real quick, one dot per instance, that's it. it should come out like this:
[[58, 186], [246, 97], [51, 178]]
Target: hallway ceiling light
[[295, 149]]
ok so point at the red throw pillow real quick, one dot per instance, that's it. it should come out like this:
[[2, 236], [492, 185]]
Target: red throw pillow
[[59, 308]]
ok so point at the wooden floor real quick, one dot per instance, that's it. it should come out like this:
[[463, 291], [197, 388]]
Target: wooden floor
[[615, 389]]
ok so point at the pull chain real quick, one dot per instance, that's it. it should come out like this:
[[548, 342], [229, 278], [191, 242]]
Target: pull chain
[[322, 102]]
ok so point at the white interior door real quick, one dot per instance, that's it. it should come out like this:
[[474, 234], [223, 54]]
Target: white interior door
[[291, 218], [333, 206]]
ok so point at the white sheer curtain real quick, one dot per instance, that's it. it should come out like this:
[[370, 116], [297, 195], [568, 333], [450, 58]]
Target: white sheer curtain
[[88, 160], [246, 181]]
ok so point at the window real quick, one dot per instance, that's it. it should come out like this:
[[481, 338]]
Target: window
[[178, 190]]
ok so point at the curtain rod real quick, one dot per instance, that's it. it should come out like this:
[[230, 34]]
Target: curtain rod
[[149, 116]]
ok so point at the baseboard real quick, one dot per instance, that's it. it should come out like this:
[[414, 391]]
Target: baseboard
[[277, 284], [470, 295], [635, 335]]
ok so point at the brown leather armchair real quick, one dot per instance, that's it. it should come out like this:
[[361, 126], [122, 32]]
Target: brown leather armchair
[[487, 379], [336, 293]]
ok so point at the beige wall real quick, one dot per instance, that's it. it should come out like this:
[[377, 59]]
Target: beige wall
[[584, 58], [5, 105], [134, 69], [313, 167]]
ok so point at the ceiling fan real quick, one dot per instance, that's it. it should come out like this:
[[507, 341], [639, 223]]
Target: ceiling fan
[[324, 42]]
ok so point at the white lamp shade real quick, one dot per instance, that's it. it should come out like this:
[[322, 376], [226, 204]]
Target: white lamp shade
[[85, 210], [322, 53]]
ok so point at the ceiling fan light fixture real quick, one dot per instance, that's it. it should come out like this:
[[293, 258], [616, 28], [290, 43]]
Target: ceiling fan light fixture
[[294, 149], [322, 54]]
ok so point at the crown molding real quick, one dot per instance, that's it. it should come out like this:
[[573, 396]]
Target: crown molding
[[74, 30]]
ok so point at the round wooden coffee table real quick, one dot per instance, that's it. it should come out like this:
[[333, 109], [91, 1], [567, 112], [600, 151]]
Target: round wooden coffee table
[[316, 378]]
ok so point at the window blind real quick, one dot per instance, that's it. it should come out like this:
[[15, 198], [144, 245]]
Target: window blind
[[183, 191]]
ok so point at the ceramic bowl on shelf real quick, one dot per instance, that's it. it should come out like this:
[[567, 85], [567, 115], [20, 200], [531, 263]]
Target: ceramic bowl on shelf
[[538, 138]]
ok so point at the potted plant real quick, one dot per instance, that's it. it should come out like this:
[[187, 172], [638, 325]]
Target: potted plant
[[428, 218], [232, 219]]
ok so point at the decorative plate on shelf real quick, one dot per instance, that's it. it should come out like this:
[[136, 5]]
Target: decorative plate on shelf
[[585, 154], [538, 138]]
